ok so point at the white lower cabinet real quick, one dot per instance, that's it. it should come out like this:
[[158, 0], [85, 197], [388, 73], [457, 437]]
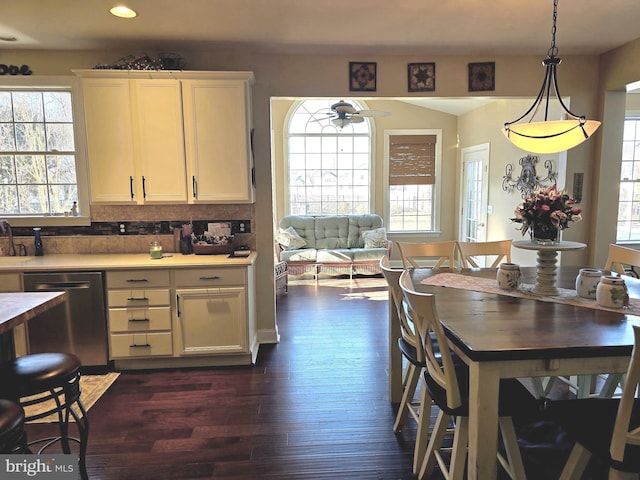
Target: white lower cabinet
[[182, 317], [139, 306], [211, 320]]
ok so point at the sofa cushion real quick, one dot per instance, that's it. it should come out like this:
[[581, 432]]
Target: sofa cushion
[[376, 238], [332, 232], [368, 254], [343, 255], [303, 255], [359, 224], [305, 226], [290, 239]]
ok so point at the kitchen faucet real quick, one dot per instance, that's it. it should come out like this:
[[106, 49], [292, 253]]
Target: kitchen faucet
[[6, 228]]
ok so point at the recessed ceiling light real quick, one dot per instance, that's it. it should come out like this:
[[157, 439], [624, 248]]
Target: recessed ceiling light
[[123, 12]]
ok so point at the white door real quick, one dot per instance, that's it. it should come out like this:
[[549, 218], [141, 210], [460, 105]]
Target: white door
[[475, 193]]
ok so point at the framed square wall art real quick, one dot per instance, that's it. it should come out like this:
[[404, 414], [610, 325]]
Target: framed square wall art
[[422, 77], [362, 76], [482, 77]]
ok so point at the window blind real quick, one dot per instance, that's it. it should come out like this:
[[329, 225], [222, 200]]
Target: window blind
[[412, 159]]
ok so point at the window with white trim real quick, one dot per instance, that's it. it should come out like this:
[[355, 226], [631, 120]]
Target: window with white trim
[[329, 166], [42, 173], [413, 179], [629, 200]]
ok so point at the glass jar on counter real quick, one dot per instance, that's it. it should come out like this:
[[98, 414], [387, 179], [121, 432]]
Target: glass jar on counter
[[155, 250]]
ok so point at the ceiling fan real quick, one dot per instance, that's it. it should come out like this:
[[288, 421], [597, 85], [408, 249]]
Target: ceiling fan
[[343, 113]]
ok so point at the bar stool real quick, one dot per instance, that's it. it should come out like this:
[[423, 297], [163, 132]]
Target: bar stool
[[12, 437], [37, 378]]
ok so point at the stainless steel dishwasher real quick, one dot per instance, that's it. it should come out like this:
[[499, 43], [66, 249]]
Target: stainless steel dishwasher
[[77, 326]]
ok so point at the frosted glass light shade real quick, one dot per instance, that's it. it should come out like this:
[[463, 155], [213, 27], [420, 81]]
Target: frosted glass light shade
[[550, 137]]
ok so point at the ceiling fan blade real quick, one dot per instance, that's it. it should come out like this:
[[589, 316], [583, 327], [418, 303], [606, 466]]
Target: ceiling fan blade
[[356, 118], [329, 116], [372, 113]]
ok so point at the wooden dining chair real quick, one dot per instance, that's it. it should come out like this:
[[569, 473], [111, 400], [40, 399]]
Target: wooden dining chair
[[470, 251], [411, 349], [447, 383], [606, 428], [619, 257], [434, 254]]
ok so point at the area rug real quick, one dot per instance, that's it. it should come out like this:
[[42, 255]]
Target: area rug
[[92, 388]]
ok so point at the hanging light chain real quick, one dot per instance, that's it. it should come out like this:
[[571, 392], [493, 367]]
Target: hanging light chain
[[553, 51]]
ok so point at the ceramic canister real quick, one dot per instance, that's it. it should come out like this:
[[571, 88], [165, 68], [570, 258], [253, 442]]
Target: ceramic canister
[[508, 276], [611, 292], [587, 282]]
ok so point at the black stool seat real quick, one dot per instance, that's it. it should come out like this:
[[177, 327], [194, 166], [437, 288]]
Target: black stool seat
[[41, 377], [39, 372], [12, 437]]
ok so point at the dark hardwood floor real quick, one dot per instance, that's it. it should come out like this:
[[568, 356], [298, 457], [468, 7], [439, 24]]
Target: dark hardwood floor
[[314, 407]]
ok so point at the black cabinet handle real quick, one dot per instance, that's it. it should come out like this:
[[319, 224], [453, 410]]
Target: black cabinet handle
[[131, 186], [195, 186], [178, 304], [215, 277], [143, 345], [144, 187], [138, 319], [136, 280], [134, 299]]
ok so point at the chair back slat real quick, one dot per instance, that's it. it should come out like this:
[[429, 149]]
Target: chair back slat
[[501, 249], [621, 256], [442, 253], [407, 328], [438, 358], [621, 434]]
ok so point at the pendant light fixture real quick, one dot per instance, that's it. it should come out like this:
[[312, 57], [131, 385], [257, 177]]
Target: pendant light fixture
[[549, 136]]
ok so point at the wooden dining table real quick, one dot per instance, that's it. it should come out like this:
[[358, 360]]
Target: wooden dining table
[[500, 336], [17, 308]]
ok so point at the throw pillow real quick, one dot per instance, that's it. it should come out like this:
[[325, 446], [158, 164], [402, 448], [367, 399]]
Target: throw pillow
[[290, 239], [376, 238]]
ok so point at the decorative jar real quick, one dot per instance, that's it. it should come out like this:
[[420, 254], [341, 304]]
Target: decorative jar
[[612, 292], [587, 282], [508, 276]]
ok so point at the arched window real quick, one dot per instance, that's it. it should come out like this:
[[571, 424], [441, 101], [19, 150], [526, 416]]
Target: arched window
[[329, 165]]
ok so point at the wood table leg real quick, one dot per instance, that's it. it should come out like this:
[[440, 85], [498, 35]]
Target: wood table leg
[[395, 356], [484, 387]]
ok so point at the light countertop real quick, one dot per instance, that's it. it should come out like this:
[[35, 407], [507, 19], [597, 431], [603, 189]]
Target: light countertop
[[118, 261]]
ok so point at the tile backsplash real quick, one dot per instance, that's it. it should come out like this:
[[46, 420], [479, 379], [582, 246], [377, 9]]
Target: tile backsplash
[[144, 224]]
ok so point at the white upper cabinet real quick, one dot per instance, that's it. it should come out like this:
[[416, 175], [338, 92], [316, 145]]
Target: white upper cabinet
[[217, 125], [112, 166], [157, 105], [169, 137]]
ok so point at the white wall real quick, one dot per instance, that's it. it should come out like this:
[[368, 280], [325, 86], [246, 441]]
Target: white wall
[[327, 75]]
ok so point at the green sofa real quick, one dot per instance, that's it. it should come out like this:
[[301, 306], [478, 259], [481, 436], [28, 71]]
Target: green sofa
[[334, 245]]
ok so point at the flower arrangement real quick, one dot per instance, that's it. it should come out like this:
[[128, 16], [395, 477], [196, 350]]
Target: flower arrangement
[[545, 212]]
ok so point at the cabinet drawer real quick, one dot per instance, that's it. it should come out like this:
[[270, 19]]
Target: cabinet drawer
[[204, 277], [131, 345], [139, 297], [138, 279], [139, 319]]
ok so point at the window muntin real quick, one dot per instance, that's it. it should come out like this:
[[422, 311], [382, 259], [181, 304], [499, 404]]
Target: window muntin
[[413, 179], [329, 167], [628, 228], [42, 170]]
